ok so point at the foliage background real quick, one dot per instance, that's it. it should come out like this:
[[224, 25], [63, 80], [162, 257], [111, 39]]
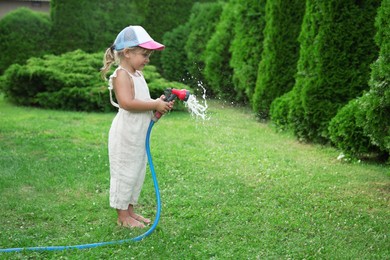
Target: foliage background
[[363, 124], [336, 68], [18, 42], [280, 54], [245, 52], [217, 71], [246, 47]]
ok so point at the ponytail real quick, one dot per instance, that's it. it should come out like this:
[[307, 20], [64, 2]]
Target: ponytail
[[108, 60]]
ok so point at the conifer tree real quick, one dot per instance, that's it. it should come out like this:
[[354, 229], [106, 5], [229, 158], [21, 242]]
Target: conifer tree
[[23, 34], [278, 63], [336, 51], [202, 23], [247, 47], [218, 72], [89, 25], [362, 127], [174, 56]]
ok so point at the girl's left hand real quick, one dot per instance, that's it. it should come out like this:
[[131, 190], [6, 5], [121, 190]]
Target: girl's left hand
[[170, 103]]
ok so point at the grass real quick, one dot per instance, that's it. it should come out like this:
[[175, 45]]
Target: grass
[[231, 188]]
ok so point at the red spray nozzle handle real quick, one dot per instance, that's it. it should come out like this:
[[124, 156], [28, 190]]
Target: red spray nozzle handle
[[182, 94], [172, 93]]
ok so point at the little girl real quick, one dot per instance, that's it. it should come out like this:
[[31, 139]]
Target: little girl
[[126, 145]]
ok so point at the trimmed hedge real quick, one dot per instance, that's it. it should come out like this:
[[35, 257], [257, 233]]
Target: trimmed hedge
[[90, 25], [279, 110], [287, 111], [63, 82], [346, 133], [23, 34], [217, 71], [203, 20], [376, 119], [162, 16], [174, 56], [247, 47], [363, 126], [337, 48], [278, 63], [70, 81]]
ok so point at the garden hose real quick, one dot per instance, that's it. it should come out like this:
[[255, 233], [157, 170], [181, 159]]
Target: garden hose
[[93, 245]]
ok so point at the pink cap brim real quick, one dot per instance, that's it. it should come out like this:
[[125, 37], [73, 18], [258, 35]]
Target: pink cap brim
[[152, 45]]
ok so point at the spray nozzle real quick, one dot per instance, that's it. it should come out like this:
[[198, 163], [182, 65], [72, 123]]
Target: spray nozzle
[[172, 93]]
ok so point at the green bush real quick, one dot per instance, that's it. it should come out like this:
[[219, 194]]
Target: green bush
[[23, 34], [376, 119], [306, 70], [52, 80], [70, 81], [369, 114], [90, 25], [247, 47], [362, 128], [161, 17], [337, 48], [174, 57], [346, 133], [278, 63], [279, 110], [202, 23], [217, 71]]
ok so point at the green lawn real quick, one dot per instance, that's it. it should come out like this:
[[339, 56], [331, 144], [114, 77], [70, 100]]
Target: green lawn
[[231, 188]]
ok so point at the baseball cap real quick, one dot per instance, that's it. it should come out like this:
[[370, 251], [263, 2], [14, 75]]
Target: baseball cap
[[136, 35]]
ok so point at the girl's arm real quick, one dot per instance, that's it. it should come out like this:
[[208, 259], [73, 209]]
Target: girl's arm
[[124, 92]]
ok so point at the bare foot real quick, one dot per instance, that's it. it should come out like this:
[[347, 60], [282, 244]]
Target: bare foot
[[125, 220], [135, 216], [140, 218], [130, 222]]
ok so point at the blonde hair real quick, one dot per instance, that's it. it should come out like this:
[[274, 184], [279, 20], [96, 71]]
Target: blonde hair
[[112, 56]]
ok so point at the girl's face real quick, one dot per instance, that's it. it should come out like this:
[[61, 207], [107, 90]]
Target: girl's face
[[138, 58]]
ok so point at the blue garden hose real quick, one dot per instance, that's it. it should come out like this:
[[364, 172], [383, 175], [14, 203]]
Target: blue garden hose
[[139, 238]]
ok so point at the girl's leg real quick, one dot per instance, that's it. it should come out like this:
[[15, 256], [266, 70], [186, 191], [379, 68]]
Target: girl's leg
[[125, 219], [135, 216]]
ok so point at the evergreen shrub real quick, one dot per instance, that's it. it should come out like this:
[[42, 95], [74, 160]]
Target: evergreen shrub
[[247, 47], [370, 112], [23, 34], [337, 48], [278, 63], [376, 119], [279, 110], [161, 17], [174, 57], [218, 72], [70, 81], [346, 133], [90, 25], [306, 71], [202, 23]]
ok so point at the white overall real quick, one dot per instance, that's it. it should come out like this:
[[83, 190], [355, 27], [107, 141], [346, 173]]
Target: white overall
[[126, 147]]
